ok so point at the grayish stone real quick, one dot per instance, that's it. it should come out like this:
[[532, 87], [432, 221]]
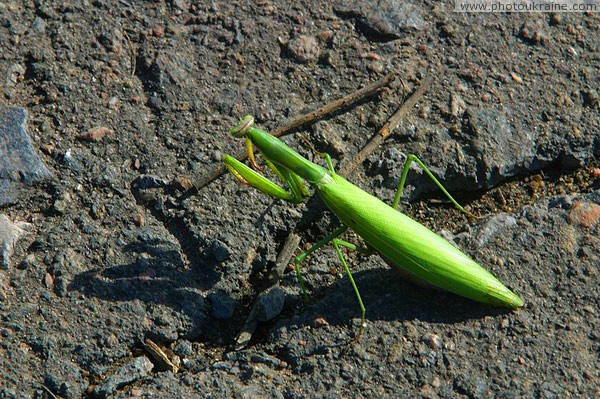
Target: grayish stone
[[151, 181], [10, 232], [222, 304], [388, 20], [270, 304], [64, 377], [19, 162], [220, 250], [500, 151], [304, 49], [432, 340], [496, 225], [124, 375]]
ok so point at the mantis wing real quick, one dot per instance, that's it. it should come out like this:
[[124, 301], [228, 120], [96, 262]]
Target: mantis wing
[[411, 246]]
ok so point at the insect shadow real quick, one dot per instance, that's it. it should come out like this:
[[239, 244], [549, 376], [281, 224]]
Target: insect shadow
[[157, 276], [390, 296]]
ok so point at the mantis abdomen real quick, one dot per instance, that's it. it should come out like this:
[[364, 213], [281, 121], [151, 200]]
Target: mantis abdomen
[[412, 247]]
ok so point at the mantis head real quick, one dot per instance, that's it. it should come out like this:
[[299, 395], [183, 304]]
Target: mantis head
[[242, 127]]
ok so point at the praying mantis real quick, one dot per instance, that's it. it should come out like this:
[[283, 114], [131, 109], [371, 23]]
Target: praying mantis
[[398, 239]]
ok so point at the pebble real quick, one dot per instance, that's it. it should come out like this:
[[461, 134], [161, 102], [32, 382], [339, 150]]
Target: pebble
[[389, 20], [61, 203], [4, 287], [181, 183], [139, 219], [270, 304], [113, 103], [20, 164], [222, 304], [65, 378], [375, 66], [95, 134], [219, 250], [16, 73], [390, 166], [49, 281], [193, 305], [180, 4], [584, 214], [28, 263], [124, 375], [555, 19], [304, 48], [158, 31], [252, 356], [150, 181], [567, 238], [428, 392], [10, 233], [183, 348], [457, 105], [251, 392], [327, 139], [590, 98], [70, 161], [500, 151], [320, 322], [498, 224], [531, 31], [516, 78], [432, 340], [223, 365]]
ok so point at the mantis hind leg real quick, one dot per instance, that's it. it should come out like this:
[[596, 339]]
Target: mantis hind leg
[[409, 159], [336, 244]]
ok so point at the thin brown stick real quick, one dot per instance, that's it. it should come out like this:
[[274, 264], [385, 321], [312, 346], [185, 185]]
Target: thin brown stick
[[284, 256], [343, 102], [387, 129], [311, 117], [48, 391], [283, 259]]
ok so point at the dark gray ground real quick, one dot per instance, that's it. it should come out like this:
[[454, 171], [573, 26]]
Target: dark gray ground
[[511, 125]]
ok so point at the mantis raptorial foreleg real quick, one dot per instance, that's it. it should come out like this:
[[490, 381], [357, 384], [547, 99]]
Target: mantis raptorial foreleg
[[249, 177], [409, 159], [251, 158]]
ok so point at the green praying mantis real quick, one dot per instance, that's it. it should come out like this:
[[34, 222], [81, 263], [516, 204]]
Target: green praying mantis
[[399, 240]]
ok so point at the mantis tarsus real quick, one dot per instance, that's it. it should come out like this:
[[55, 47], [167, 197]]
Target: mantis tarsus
[[399, 240]]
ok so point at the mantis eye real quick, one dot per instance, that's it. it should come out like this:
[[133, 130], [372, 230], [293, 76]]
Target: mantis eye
[[242, 127]]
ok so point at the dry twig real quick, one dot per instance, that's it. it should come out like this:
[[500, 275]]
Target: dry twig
[[311, 117], [387, 129], [283, 259]]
